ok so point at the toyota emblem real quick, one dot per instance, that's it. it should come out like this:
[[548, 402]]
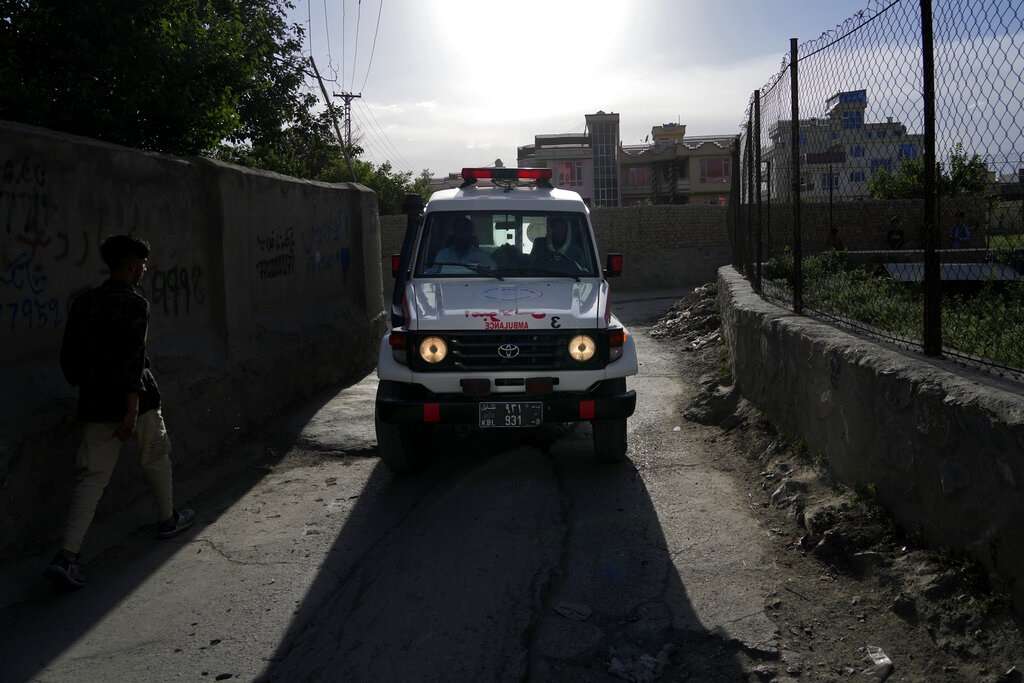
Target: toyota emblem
[[508, 351]]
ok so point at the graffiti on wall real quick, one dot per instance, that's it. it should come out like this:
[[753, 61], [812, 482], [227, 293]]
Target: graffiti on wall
[[277, 252], [176, 289], [26, 207], [40, 262], [323, 250]]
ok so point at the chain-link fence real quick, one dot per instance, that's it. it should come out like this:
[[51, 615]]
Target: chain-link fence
[[881, 181]]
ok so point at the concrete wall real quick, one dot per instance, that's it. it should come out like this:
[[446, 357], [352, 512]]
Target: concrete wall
[[263, 288], [945, 451], [664, 246]]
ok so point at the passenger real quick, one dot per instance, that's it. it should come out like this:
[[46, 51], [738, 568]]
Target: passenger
[[463, 250], [557, 250]]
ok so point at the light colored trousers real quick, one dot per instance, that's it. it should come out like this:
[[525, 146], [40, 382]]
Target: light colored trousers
[[95, 462]]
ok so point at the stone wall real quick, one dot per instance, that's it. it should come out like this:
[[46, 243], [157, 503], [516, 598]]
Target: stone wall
[[263, 288], [944, 449], [664, 246]]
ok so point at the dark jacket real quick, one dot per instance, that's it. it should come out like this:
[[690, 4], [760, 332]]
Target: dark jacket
[[110, 324]]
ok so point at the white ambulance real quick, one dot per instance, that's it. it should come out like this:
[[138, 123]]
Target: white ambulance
[[503, 320]]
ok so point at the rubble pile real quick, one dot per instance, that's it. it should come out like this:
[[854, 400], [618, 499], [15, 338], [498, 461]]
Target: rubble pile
[[694, 320]]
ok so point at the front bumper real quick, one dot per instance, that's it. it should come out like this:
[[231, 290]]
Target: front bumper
[[399, 403]]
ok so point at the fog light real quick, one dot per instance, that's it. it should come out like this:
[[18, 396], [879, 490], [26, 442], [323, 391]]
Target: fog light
[[582, 348], [433, 350]]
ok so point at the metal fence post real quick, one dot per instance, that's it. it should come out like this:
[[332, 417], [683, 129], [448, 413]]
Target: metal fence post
[[768, 208], [735, 198], [932, 275], [798, 252], [759, 254], [750, 194], [831, 225]]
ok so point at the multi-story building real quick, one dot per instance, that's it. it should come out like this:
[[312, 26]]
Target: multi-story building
[[586, 162], [673, 169], [604, 140], [570, 158], [676, 169], [840, 152]]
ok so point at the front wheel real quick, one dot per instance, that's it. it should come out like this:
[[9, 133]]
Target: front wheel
[[610, 440], [403, 448]]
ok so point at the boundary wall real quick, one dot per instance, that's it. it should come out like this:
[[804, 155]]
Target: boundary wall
[[944, 452], [263, 288]]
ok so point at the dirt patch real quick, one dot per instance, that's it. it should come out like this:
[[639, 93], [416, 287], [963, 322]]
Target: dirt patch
[[849, 579]]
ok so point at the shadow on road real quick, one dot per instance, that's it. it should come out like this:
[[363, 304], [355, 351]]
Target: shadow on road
[[509, 558], [43, 623]]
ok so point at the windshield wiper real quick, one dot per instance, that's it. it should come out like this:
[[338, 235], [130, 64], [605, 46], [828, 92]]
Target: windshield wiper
[[476, 268], [548, 273]]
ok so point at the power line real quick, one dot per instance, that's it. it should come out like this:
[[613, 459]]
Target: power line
[[355, 52], [382, 150], [389, 145], [373, 47], [309, 27], [346, 112], [334, 119], [327, 32]]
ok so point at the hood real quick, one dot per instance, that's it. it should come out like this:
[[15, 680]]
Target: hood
[[521, 304]]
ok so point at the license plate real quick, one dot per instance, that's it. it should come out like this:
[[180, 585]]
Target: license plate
[[519, 414]]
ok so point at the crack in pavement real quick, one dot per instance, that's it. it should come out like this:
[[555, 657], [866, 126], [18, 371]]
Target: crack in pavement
[[223, 553]]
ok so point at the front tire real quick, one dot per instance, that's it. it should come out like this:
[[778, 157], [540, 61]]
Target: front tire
[[403, 448], [610, 443]]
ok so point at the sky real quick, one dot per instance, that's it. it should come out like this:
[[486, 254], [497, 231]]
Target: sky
[[456, 83]]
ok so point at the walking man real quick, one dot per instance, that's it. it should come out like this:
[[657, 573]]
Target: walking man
[[104, 355]]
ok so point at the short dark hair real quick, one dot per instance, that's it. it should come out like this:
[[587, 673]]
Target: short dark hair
[[117, 250]]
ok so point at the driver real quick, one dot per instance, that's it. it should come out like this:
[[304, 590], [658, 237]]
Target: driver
[[463, 248], [557, 249]]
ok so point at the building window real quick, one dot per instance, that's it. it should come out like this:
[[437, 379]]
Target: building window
[[880, 163], [856, 151], [857, 177], [908, 151], [638, 176], [825, 181], [714, 170], [570, 173], [853, 119]]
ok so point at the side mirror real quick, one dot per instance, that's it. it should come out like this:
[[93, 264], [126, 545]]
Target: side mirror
[[396, 265], [613, 267]]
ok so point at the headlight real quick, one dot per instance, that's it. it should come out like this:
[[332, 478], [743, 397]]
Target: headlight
[[582, 348], [433, 349]]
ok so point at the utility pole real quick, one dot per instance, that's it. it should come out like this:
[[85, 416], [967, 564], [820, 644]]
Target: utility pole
[[334, 120], [346, 112]]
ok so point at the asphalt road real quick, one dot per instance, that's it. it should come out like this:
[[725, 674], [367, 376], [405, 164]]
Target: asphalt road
[[512, 557]]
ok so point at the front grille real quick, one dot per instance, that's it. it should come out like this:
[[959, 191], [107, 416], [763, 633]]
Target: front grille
[[536, 350]]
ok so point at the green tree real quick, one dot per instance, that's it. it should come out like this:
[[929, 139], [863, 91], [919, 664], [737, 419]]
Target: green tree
[[421, 185], [176, 76], [962, 175], [391, 186]]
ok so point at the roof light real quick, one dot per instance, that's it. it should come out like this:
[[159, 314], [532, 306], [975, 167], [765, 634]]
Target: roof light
[[471, 175]]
